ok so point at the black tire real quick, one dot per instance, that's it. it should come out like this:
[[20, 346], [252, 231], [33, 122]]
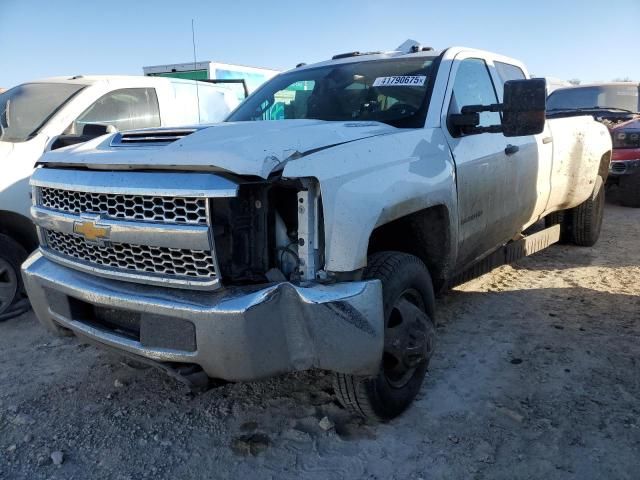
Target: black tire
[[586, 218], [581, 225], [12, 291], [630, 190], [409, 306]]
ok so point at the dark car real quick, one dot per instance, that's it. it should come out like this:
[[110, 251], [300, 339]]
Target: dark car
[[617, 105]]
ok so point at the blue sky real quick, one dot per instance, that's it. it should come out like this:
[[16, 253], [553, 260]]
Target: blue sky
[[561, 38]]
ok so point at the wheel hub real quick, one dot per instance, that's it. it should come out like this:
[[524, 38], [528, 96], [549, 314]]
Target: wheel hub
[[8, 285], [408, 340]]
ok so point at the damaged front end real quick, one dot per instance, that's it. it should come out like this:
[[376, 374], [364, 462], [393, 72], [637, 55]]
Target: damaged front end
[[271, 231], [214, 270]]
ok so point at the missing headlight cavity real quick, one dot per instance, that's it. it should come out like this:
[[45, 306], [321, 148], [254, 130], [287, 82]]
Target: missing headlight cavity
[[271, 231], [308, 230]]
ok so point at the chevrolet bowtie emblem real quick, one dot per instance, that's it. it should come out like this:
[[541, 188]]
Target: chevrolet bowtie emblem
[[91, 231]]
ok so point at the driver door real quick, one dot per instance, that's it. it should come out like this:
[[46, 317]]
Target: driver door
[[485, 173]]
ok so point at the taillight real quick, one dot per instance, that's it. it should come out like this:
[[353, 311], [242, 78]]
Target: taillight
[[626, 139]]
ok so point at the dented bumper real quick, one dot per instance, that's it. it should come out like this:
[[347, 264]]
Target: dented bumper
[[234, 334]]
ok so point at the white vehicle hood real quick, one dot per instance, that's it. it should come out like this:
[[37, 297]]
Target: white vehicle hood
[[244, 148]]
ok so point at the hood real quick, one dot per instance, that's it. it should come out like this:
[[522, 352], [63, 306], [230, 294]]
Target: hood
[[633, 124], [614, 121], [5, 150], [244, 148]]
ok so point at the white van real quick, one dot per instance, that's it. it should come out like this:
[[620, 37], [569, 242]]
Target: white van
[[57, 112]]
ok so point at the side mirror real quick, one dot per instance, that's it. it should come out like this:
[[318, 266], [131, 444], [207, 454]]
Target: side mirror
[[94, 130], [523, 111], [524, 107], [89, 132]]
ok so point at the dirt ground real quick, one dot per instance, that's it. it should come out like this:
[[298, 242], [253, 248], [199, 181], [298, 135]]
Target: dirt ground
[[537, 375]]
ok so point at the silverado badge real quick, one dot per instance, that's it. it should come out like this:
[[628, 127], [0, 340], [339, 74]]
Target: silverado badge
[[91, 231]]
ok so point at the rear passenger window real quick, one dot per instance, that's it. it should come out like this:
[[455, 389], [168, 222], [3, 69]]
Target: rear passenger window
[[506, 71], [473, 86], [125, 109]]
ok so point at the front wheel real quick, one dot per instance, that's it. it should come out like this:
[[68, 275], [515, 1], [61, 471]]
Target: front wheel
[[409, 336]]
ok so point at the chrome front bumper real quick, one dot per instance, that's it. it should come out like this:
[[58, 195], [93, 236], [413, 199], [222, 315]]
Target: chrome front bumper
[[236, 334]]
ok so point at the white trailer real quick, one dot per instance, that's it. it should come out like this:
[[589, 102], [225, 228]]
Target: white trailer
[[222, 72]]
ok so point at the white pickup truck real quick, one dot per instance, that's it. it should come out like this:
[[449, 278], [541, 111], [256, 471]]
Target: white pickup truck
[[312, 228], [55, 112]]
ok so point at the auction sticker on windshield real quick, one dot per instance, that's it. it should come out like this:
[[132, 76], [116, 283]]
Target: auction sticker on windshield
[[400, 81]]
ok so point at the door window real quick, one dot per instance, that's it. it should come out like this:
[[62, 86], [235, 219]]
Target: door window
[[473, 86], [506, 72], [125, 109]]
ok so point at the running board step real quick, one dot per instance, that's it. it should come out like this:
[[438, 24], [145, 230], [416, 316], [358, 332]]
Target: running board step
[[509, 253]]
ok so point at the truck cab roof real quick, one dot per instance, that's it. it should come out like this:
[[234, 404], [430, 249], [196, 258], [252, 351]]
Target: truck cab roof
[[450, 52]]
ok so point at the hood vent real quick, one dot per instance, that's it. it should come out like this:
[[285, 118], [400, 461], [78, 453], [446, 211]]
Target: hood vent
[[150, 137]]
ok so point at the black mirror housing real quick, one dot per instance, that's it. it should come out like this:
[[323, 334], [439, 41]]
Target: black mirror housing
[[524, 107], [89, 132], [94, 130], [464, 122], [523, 111]]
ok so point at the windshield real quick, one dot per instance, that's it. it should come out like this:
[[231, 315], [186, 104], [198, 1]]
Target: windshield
[[619, 97], [391, 91], [26, 108]]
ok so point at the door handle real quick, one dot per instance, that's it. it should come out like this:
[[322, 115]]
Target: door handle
[[546, 140], [511, 149]]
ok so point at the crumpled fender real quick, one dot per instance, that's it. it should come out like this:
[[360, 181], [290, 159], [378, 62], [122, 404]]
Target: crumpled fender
[[369, 183]]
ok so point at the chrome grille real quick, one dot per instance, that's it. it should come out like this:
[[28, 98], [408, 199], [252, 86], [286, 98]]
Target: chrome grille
[[146, 227], [618, 167], [135, 258], [187, 210]]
